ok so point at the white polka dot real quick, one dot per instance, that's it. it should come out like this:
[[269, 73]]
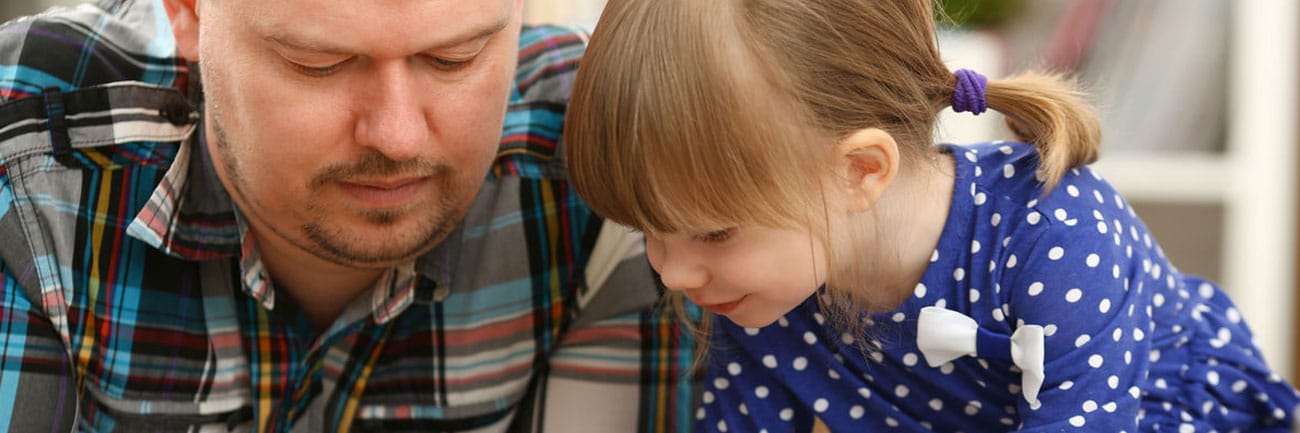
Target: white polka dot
[[769, 361], [1093, 260], [699, 413], [890, 421], [1061, 214], [1073, 295], [920, 290], [1049, 330], [800, 363], [721, 383], [979, 171], [847, 339], [995, 219], [971, 156], [901, 390], [997, 314], [707, 397], [760, 391], [1072, 191], [934, 256], [1134, 392], [782, 322], [1186, 428], [959, 274], [1008, 171], [973, 408], [744, 410], [786, 414], [1006, 150], [733, 369], [1239, 386], [1158, 300], [1011, 261], [1056, 253], [946, 368], [981, 198], [899, 317], [856, 412], [1101, 227], [1033, 218], [1104, 306], [1117, 334], [865, 393], [1109, 407], [1155, 355], [1095, 361], [821, 320], [809, 337], [751, 331], [1082, 340], [1212, 377], [936, 404], [974, 295], [1206, 291], [942, 303], [1066, 385], [1113, 382], [1089, 406], [1077, 421], [833, 374], [974, 246], [910, 359], [722, 425], [1035, 288], [821, 405]]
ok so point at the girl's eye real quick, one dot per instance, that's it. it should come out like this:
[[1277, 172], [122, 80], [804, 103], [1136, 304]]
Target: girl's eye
[[716, 235]]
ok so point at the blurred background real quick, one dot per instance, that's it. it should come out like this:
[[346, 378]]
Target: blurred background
[[1199, 107]]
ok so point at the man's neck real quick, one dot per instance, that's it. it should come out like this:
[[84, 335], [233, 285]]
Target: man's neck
[[320, 288]]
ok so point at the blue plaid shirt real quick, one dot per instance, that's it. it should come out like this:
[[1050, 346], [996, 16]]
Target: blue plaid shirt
[[129, 299]]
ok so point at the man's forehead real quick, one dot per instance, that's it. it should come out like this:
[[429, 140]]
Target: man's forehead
[[359, 26]]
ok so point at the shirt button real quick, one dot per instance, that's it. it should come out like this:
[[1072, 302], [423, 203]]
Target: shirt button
[[177, 113], [441, 293]]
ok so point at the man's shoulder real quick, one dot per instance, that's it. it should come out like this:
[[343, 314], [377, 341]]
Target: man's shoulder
[[92, 44], [531, 140], [548, 59]]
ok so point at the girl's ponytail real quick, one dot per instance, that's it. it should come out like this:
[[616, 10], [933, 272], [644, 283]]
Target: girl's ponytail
[[1047, 110]]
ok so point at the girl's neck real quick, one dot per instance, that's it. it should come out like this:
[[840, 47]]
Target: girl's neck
[[912, 216]]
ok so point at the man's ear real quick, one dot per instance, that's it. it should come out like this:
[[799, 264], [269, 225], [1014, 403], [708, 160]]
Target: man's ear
[[868, 160], [184, 18]]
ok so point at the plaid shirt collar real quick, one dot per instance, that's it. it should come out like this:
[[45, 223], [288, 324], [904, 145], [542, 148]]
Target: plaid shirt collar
[[191, 216]]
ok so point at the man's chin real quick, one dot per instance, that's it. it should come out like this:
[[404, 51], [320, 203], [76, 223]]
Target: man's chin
[[375, 246]]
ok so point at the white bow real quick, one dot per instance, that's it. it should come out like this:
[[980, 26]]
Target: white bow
[[944, 335]]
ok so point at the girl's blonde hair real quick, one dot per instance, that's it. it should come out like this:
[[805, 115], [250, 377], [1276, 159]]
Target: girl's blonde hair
[[698, 115]]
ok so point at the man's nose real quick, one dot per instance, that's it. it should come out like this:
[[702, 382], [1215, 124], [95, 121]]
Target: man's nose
[[393, 119]]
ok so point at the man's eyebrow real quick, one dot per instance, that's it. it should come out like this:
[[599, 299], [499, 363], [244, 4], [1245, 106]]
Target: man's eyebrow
[[295, 42]]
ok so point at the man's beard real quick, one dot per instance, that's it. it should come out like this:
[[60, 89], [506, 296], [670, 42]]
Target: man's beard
[[332, 243]]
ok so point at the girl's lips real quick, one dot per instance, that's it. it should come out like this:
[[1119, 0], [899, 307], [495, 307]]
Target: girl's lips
[[725, 307]]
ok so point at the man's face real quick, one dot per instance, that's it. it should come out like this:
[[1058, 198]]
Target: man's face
[[359, 131]]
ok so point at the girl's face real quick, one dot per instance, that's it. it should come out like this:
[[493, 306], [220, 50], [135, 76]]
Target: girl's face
[[752, 275]]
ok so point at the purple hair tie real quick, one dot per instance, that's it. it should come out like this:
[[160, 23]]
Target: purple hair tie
[[968, 97]]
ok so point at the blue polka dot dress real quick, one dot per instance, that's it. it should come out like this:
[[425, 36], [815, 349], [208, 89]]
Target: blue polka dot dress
[[1129, 343]]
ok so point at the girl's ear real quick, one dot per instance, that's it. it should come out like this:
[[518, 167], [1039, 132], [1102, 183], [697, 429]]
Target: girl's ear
[[868, 161], [184, 18]]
